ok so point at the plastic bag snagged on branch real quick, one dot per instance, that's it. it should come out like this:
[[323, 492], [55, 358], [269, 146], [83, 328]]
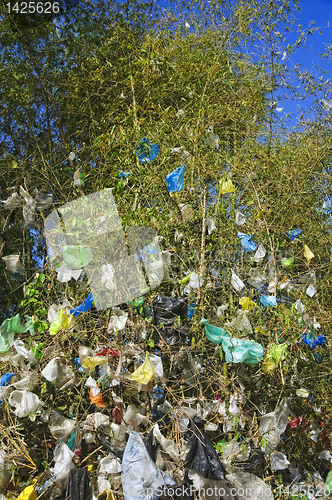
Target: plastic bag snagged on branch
[[144, 373], [166, 311], [13, 263], [11, 326], [76, 257], [175, 180], [246, 242], [146, 151]]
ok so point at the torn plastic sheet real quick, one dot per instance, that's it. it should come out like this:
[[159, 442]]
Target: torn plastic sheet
[[140, 476], [107, 276], [202, 456], [311, 291], [240, 219], [144, 373], [313, 340], [294, 233], [236, 350], [273, 424], [65, 274], [246, 242], [84, 307], [256, 278], [267, 301], [250, 486], [236, 282], [79, 178], [79, 485], [25, 402], [146, 151], [11, 326], [308, 253], [175, 180], [166, 310], [13, 263], [77, 256], [260, 253], [210, 224]]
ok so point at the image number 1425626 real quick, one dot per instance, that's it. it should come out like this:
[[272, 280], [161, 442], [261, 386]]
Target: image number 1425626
[[33, 7]]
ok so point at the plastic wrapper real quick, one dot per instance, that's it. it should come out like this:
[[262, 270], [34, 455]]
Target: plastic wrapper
[[246, 242], [279, 461], [65, 274], [227, 187], [79, 486], [62, 458], [25, 402], [76, 257], [236, 350], [62, 321], [146, 151], [240, 219], [11, 326], [308, 253], [250, 487], [60, 426], [191, 310], [13, 263], [210, 224], [175, 180], [84, 307], [268, 300], [236, 282], [28, 493], [140, 476], [273, 424], [202, 457], [118, 321], [247, 303], [144, 373], [260, 253], [166, 310]]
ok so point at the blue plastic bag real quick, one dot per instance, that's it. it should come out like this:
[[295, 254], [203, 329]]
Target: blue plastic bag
[[146, 151], [312, 341], [124, 175], [4, 379], [246, 242], [191, 310], [236, 350], [141, 478], [294, 233], [175, 180], [268, 300], [84, 307]]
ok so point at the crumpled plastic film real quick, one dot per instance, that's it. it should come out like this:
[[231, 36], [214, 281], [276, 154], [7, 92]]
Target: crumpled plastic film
[[11, 326], [146, 151], [12, 202], [273, 424], [175, 180], [144, 373], [60, 426], [63, 458], [236, 350], [76, 257], [275, 354], [117, 321], [227, 187], [62, 321], [246, 242], [260, 253], [210, 224], [294, 233], [25, 402], [308, 253], [247, 303], [236, 282], [84, 307], [13, 263], [313, 340], [250, 486], [65, 274], [279, 461], [240, 219]]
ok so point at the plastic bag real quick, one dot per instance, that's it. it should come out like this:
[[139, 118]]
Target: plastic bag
[[256, 278], [62, 321], [202, 457], [313, 340], [247, 303], [294, 233], [311, 291], [246, 242], [275, 354], [76, 257], [287, 263], [22, 351], [146, 150], [260, 253], [279, 461], [13, 263], [240, 219], [60, 426], [268, 300], [107, 276], [58, 371], [273, 424], [118, 321], [144, 373], [79, 486], [236, 282], [308, 253], [140, 476], [236, 350], [210, 224], [250, 487], [77, 178], [5, 471], [166, 310], [11, 326], [227, 187], [12, 202], [25, 402], [43, 201], [241, 323], [62, 458], [84, 307], [175, 180], [28, 493], [65, 274]]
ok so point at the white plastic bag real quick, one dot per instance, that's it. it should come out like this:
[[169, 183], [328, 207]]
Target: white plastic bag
[[22, 351], [13, 263], [25, 402], [210, 225], [311, 291], [236, 282], [63, 458], [60, 426], [273, 424], [260, 253], [240, 219], [279, 461], [93, 386], [65, 274], [117, 321]]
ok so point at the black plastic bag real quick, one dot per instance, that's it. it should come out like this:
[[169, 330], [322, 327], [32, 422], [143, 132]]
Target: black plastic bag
[[151, 444], [166, 310], [202, 457], [255, 457], [79, 485]]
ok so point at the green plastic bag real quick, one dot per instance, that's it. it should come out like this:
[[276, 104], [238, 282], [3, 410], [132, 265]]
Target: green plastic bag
[[8, 329], [236, 350], [76, 257]]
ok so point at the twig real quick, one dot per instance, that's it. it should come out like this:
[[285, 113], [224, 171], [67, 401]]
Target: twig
[[201, 267]]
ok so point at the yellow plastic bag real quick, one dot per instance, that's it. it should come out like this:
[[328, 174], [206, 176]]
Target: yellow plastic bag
[[92, 361], [28, 494], [308, 253], [144, 373], [227, 187], [247, 303], [62, 321]]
